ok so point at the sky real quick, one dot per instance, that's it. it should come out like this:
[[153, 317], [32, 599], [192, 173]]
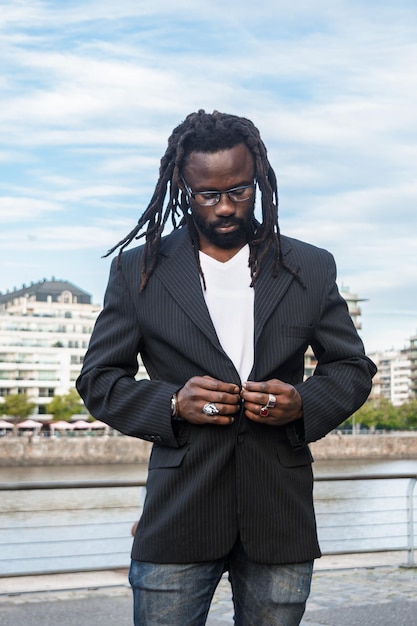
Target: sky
[[91, 90]]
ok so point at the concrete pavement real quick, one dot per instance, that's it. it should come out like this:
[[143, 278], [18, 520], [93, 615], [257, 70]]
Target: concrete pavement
[[348, 590]]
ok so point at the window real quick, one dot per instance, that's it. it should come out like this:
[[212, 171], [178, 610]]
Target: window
[[47, 393]]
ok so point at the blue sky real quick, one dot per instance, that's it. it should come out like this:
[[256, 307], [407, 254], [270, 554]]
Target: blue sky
[[91, 90]]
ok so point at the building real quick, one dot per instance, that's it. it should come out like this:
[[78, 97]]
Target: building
[[45, 328], [392, 381], [412, 355], [44, 332], [352, 300]]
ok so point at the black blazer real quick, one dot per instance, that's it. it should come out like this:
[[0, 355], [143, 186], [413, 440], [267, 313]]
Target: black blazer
[[208, 484]]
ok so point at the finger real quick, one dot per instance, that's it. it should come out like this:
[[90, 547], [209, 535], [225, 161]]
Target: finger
[[217, 420], [252, 408], [257, 399], [216, 408], [221, 420], [273, 385], [213, 384], [217, 414], [269, 420]]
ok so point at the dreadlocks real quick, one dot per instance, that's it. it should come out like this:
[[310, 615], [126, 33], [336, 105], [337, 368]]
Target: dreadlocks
[[205, 132]]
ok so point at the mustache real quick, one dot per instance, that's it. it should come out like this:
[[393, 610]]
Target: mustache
[[227, 221]]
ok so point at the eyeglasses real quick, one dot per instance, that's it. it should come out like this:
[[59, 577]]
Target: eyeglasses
[[211, 198]]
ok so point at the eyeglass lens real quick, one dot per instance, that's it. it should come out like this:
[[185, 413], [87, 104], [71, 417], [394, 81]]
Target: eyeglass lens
[[240, 194]]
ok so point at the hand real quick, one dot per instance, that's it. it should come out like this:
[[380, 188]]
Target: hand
[[288, 404], [201, 390]]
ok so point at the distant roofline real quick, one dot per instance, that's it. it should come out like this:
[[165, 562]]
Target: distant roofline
[[44, 287]]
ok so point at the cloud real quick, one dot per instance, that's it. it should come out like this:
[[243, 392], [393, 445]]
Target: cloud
[[91, 91], [14, 209]]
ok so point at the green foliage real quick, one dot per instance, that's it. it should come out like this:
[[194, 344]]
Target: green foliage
[[380, 414], [63, 407], [407, 414], [18, 406]]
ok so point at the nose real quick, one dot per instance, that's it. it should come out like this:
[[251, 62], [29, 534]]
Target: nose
[[225, 206]]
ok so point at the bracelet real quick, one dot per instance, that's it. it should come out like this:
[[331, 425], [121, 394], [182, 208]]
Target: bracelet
[[174, 408]]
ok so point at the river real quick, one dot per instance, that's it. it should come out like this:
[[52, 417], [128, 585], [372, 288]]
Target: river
[[75, 529], [130, 471]]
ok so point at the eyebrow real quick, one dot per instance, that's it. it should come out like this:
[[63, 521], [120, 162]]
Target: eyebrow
[[241, 184]]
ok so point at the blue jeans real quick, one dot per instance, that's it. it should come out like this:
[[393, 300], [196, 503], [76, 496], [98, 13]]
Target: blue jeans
[[180, 595]]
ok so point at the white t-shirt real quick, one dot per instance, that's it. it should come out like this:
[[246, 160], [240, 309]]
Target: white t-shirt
[[230, 301]]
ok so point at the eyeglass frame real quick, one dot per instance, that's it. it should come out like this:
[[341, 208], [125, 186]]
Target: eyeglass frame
[[219, 194]]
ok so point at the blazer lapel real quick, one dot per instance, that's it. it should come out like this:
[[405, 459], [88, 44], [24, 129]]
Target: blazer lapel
[[269, 291], [179, 260]]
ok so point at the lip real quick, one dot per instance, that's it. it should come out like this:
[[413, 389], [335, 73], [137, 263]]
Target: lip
[[226, 229]]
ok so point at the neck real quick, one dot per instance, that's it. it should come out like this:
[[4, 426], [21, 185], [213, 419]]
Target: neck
[[219, 254]]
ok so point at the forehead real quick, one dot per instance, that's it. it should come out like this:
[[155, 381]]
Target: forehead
[[219, 169]]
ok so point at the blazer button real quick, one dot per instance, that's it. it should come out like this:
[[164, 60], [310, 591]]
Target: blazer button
[[240, 438], [152, 437]]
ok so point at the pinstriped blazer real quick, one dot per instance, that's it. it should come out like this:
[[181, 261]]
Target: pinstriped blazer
[[207, 485]]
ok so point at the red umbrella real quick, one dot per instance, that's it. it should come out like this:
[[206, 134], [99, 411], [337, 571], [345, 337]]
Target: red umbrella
[[6, 425]]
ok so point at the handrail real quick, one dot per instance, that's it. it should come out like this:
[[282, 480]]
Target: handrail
[[340, 510], [70, 484], [91, 484], [410, 520], [371, 476]]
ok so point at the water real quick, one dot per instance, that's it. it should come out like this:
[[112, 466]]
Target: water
[[72, 472], [365, 466], [131, 471], [75, 529], [363, 515]]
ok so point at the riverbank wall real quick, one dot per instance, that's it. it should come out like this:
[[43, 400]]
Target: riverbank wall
[[84, 450]]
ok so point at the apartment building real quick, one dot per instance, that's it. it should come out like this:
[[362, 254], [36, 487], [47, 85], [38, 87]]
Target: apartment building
[[392, 381], [44, 332], [45, 328], [412, 355]]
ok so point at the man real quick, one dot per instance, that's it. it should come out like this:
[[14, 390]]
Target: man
[[221, 312]]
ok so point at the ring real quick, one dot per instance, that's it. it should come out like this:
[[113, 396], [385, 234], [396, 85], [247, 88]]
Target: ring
[[210, 409], [264, 412], [271, 401]]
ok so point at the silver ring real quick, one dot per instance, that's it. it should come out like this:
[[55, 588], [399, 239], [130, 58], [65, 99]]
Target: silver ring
[[210, 409], [271, 401]]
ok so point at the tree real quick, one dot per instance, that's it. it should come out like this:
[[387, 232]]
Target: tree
[[407, 415], [386, 416], [18, 406], [380, 413], [63, 407], [366, 415]]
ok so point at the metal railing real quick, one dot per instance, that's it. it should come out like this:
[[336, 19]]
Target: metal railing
[[377, 516], [49, 527]]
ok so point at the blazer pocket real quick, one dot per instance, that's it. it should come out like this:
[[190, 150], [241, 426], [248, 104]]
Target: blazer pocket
[[162, 456], [291, 457]]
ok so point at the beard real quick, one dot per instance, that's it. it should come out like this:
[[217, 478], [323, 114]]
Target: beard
[[241, 235]]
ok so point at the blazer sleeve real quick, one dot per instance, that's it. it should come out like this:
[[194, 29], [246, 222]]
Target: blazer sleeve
[[342, 379], [107, 383]]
